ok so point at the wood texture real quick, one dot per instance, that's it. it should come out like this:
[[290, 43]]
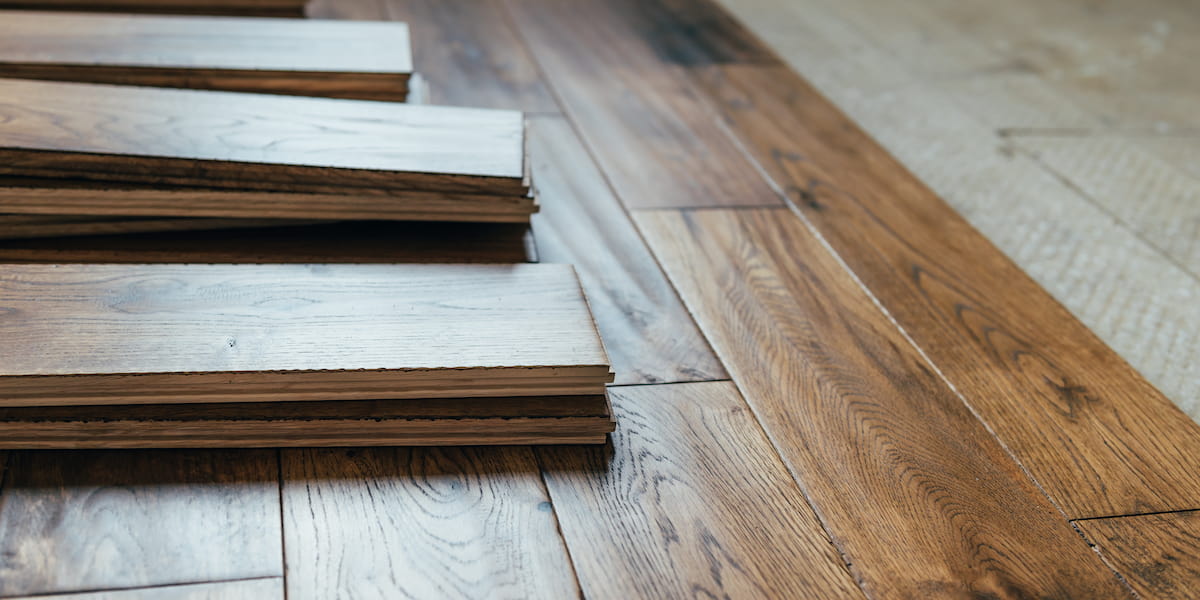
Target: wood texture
[[891, 459], [690, 500], [1159, 555], [658, 141], [247, 332], [421, 523], [248, 589], [350, 242], [38, 226], [649, 335], [262, 8], [1093, 433], [438, 422], [256, 141], [336, 59], [76, 521]]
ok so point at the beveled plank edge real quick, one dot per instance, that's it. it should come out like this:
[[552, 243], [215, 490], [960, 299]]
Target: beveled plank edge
[[170, 587]]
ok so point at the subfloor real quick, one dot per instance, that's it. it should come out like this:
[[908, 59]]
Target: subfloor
[[796, 419]]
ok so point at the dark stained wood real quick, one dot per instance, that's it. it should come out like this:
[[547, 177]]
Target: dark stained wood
[[72, 521], [421, 523], [257, 8], [648, 333], [1159, 555], [20, 226], [916, 493], [656, 138], [1090, 430], [469, 56], [335, 59], [246, 589], [690, 500], [351, 242], [436, 422]]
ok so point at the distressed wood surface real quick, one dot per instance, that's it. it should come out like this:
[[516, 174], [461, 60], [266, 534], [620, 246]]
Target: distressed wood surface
[[78, 521], [690, 500], [889, 456], [1159, 555], [336, 59], [248, 589], [421, 523]]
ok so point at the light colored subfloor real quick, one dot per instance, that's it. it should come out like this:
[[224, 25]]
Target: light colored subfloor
[[1067, 132]]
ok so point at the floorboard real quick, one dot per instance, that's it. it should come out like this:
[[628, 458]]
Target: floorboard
[[421, 523], [250, 589], [690, 500], [1159, 555], [72, 521], [863, 421]]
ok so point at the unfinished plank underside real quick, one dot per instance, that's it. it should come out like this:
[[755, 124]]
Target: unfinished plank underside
[[344, 59], [135, 334]]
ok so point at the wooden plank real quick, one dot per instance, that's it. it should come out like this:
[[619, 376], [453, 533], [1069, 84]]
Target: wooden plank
[[443, 421], [690, 500], [1093, 433], [649, 335], [659, 142], [262, 8], [336, 59], [247, 589], [421, 523], [1159, 555], [94, 333], [469, 56], [893, 461], [256, 141], [74, 521], [37, 226], [350, 242]]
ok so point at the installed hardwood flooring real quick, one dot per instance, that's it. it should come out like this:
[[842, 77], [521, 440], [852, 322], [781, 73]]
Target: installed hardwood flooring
[[421, 523], [864, 421], [72, 521], [690, 500], [249, 589], [1159, 555]]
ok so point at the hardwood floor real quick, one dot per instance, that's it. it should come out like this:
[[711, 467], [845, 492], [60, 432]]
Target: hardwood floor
[[890, 407]]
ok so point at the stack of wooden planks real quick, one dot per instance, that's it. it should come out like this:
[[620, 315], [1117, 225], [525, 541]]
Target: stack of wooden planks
[[262, 8]]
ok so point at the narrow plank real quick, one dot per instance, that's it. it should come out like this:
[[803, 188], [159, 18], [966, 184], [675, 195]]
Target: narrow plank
[[443, 421], [421, 523], [469, 56], [863, 421], [261, 8], [249, 589], [648, 333], [256, 141], [1091, 431], [72, 521], [36, 226], [245, 333], [336, 59], [689, 501], [349, 242], [1159, 555], [653, 135]]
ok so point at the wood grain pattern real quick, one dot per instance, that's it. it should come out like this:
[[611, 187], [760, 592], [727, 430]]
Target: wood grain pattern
[[248, 589], [1093, 433], [690, 500], [421, 523], [256, 141], [349, 242], [262, 8], [448, 422], [655, 137], [649, 335], [336, 59], [240, 332], [18, 226], [75, 521], [863, 421], [1159, 555]]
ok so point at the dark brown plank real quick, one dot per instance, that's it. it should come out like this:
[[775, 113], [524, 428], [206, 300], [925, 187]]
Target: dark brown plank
[[654, 136], [916, 493], [18, 226], [352, 242], [1091, 431], [72, 521], [244, 8], [1159, 555], [421, 523], [649, 335], [690, 500], [248, 589], [469, 56]]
